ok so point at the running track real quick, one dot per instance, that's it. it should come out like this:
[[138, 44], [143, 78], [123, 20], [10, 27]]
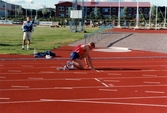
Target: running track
[[127, 82]]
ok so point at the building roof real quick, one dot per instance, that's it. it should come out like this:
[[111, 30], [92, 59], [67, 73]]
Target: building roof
[[112, 4]]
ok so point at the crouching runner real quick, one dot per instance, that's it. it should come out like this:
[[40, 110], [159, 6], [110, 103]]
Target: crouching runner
[[80, 52]]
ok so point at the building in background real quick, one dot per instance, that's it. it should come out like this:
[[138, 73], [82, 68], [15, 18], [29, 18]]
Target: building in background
[[107, 9], [7, 9]]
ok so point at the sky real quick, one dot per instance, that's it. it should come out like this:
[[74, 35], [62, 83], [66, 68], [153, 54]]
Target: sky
[[36, 4]]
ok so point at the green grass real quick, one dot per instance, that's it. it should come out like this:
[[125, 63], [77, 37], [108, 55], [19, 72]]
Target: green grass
[[43, 38]]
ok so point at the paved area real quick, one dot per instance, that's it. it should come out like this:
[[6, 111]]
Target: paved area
[[156, 42]]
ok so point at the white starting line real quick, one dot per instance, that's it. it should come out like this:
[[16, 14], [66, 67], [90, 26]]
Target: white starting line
[[101, 82]]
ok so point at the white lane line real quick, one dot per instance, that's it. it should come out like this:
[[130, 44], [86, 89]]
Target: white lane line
[[63, 88], [101, 82], [90, 87], [14, 71], [149, 75], [47, 72], [94, 101], [4, 98], [160, 92], [87, 99], [33, 78], [148, 70], [74, 79], [2, 77], [111, 85], [111, 80], [136, 91], [108, 90], [20, 86], [151, 82], [101, 102], [98, 71]]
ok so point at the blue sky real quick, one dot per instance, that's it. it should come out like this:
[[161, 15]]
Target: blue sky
[[36, 4]]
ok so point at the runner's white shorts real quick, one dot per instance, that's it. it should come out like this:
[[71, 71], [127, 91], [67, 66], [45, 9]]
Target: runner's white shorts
[[27, 36]]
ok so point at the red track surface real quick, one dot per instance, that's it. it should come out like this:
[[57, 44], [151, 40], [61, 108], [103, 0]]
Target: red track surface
[[130, 82]]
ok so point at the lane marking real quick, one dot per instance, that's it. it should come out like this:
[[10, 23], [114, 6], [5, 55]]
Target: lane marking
[[91, 99], [113, 74], [111, 85], [101, 82], [112, 80], [2, 77], [151, 82], [63, 88], [160, 92], [1, 65], [98, 71], [34, 78], [73, 79], [4, 98], [100, 102], [14, 71], [108, 90], [51, 88], [90, 87], [149, 75], [20, 86], [148, 70]]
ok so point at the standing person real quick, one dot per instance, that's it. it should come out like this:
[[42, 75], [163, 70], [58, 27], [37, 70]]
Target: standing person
[[80, 52], [27, 28]]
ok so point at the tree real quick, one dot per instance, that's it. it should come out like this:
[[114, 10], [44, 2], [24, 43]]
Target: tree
[[44, 11], [96, 12], [91, 15], [153, 11], [125, 12], [19, 10]]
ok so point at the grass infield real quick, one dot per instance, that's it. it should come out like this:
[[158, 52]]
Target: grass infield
[[43, 38]]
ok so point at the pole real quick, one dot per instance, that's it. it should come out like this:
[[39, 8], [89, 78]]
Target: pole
[[150, 14], [156, 14], [110, 11], [15, 10], [165, 18], [31, 9], [36, 15], [119, 16], [137, 16], [5, 10], [26, 12]]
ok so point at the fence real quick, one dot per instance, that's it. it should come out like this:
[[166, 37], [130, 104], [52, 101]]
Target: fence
[[99, 34], [6, 22]]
